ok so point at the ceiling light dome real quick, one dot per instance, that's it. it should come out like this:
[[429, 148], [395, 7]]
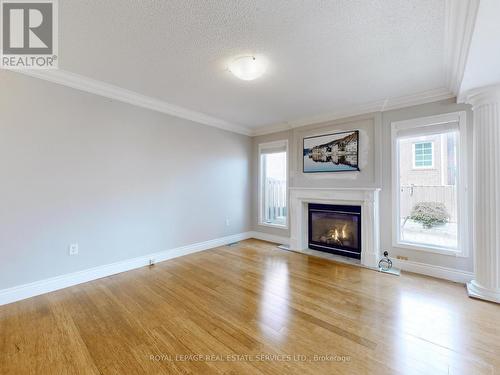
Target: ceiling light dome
[[248, 68]]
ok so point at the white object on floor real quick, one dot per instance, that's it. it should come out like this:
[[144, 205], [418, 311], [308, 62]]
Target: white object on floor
[[391, 271]]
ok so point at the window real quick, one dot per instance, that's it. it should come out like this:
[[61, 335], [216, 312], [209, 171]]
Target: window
[[429, 184], [273, 184], [423, 155]]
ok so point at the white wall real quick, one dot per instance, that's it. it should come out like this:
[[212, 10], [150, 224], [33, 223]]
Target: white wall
[[120, 180], [375, 165]]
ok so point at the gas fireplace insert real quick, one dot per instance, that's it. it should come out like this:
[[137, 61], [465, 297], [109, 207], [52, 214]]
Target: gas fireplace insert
[[335, 229]]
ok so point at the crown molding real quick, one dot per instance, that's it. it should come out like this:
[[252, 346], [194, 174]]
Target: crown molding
[[362, 109], [482, 95], [107, 90], [459, 28]]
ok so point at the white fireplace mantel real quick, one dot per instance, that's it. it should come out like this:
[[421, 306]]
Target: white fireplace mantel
[[367, 198]]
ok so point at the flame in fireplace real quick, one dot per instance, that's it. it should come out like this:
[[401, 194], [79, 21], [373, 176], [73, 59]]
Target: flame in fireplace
[[338, 235], [334, 234]]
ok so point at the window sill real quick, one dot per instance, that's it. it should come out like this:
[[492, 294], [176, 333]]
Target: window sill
[[277, 226], [430, 249]]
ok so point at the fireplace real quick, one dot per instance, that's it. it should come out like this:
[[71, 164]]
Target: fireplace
[[335, 229]]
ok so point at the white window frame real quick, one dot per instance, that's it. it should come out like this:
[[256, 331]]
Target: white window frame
[[415, 166], [263, 146], [434, 123]]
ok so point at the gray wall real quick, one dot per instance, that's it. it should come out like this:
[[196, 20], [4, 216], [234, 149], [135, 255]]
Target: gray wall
[[120, 180], [369, 127], [375, 165]]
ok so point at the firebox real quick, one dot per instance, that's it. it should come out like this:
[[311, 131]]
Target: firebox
[[335, 229]]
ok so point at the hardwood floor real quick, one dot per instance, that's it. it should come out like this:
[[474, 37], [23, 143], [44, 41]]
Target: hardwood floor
[[253, 309]]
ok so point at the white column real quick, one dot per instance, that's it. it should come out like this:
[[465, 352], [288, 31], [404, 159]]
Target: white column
[[486, 106], [370, 239]]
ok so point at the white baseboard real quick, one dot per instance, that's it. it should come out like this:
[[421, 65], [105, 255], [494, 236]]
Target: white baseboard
[[270, 237], [24, 291], [451, 274], [439, 272], [36, 288]]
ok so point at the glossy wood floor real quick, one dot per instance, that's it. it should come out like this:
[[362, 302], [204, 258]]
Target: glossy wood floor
[[252, 309]]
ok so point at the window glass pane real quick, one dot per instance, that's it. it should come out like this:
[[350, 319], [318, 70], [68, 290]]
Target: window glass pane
[[423, 154], [273, 179], [428, 197]]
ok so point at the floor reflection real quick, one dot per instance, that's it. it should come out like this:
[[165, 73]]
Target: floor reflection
[[274, 311], [424, 321], [428, 318]]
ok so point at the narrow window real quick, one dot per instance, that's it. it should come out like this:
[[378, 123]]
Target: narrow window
[[273, 183]]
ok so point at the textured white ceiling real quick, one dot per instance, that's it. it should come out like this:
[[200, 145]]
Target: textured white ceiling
[[326, 55]]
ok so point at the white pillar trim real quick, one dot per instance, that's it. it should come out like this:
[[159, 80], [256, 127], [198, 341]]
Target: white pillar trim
[[486, 106]]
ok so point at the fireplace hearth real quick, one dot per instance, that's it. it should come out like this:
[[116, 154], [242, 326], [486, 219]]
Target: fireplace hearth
[[335, 229]]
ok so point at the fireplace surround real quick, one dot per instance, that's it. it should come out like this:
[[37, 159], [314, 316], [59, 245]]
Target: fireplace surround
[[366, 198]]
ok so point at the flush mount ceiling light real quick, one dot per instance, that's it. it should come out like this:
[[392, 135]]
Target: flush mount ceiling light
[[248, 68]]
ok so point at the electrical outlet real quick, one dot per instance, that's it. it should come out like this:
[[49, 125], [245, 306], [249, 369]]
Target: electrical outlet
[[73, 249], [228, 222]]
